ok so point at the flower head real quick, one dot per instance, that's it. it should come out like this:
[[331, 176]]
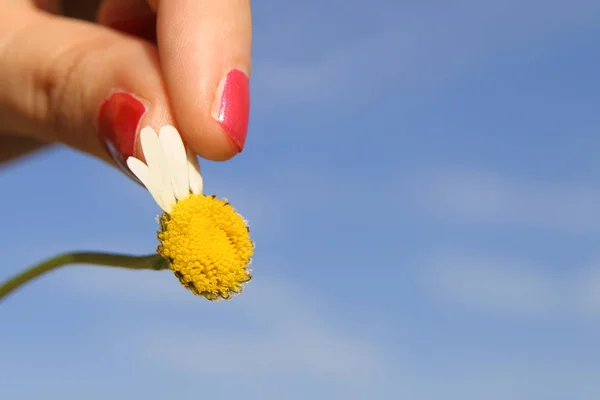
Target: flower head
[[205, 241]]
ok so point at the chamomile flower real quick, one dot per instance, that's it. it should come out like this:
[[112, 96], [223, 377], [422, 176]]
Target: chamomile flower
[[204, 240]]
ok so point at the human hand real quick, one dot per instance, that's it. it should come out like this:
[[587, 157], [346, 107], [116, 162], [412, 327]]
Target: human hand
[[92, 86]]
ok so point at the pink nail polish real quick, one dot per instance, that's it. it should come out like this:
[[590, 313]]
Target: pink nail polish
[[233, 108], [118, 121]]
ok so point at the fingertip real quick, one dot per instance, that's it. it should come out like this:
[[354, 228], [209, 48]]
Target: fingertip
[[224, 135], [212, 144]]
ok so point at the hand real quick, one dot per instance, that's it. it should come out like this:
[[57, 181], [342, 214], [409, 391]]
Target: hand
[[93, 86]]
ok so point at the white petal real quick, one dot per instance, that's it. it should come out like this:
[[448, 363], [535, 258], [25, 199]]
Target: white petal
[[194, 173], [142, 172], [177, 160], [158, 165]]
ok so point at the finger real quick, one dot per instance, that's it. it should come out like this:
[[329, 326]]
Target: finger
[[213, 126], [205, 53], [78, 83]]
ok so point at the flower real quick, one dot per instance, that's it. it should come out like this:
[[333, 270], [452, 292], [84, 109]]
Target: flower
[[204, 240]]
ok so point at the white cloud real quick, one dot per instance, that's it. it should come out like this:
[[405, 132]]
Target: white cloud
[[307, 350], [512, 288], [587, 293], [290, 331], [499, 286], [471, 196], [277, 330]]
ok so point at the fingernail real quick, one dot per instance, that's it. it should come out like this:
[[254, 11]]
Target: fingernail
[[232, 106], [118, 121], [143, 26]]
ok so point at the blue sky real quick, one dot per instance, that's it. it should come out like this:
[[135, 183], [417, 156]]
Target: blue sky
[[423, 184]]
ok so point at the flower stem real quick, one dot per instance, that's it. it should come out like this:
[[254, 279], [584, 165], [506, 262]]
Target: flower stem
[[153, 262]]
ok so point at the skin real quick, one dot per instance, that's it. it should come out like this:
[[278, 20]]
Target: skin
[[57, 70]]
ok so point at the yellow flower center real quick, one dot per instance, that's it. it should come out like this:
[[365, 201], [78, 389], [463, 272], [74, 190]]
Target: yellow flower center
[[208, 246]]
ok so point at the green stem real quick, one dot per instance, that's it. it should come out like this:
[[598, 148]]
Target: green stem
[[153, 262]]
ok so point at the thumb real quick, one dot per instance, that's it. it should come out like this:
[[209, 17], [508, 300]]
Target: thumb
[[77, 83]]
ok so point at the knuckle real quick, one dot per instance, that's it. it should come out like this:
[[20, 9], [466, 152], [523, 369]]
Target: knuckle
[[64, 82]]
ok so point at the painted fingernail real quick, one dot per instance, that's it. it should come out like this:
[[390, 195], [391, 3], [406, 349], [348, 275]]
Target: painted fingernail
[[118, 121], [143, 26], [232, 106]]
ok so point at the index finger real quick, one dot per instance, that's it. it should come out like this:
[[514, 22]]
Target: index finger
[[205, 51]]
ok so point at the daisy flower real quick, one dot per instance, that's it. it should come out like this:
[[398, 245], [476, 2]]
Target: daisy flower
[[202, 239], [205, 242]]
